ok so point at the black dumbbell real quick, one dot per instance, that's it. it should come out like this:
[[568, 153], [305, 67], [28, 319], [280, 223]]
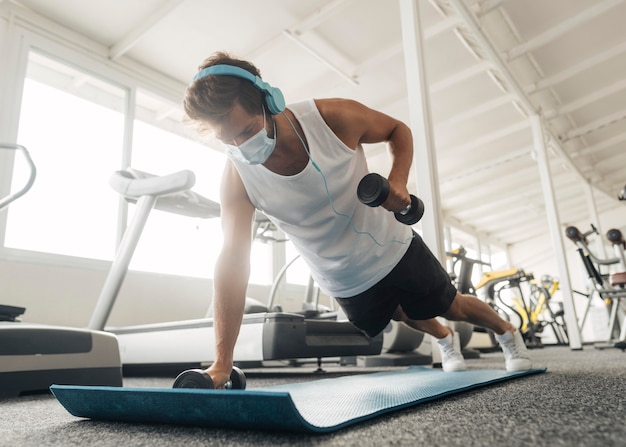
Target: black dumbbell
[[198, 378], [373, 190]]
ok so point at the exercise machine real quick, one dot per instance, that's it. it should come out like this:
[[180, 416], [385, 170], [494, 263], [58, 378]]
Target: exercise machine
[[264, 335], [35, 356], [611, 288], [461, 277], [529, 300], [533, 311]]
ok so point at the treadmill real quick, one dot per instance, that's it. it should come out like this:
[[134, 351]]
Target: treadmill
[[35, 356], [264, 335]]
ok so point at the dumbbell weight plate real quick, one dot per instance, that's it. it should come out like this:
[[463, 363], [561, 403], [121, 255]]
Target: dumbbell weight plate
[[237, 379], [373, 190], [415, 213], [198, 378], [194, 378]]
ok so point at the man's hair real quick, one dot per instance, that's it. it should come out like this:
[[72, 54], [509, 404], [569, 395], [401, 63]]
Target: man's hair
[[207, 100]]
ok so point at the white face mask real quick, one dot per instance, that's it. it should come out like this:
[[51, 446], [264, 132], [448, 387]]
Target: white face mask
[[256, 149]]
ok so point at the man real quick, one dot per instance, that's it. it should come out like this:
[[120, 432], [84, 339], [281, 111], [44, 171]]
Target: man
[[301, 165]]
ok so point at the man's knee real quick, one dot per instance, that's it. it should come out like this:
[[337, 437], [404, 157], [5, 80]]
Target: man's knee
[[456, 310], [399, 315]]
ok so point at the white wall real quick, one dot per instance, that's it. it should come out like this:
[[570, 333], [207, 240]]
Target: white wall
[[67, 295]]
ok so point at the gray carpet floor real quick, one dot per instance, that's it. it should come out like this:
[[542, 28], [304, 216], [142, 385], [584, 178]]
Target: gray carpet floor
[[578, 402]]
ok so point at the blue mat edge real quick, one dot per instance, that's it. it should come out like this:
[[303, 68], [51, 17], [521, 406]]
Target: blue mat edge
[[281, 397]]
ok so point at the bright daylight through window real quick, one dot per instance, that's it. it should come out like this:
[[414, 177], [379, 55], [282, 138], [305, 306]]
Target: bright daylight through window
[[72, 123]]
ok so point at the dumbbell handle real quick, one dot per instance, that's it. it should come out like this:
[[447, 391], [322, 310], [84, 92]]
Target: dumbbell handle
[[406, 210]]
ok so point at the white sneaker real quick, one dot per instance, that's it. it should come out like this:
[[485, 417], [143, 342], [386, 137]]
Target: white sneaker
[[516, 356], [451, 357]]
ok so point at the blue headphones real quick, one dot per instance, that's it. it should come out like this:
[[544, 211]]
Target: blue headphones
[[274, 99]]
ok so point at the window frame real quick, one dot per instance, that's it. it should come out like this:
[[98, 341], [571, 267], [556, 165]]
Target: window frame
[[82, 55]]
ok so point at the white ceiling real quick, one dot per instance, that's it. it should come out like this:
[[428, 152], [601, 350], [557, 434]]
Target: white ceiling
[[487, 62]]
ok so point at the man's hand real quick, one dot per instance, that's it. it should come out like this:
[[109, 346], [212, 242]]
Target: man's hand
[[399, 198], [220, 375]]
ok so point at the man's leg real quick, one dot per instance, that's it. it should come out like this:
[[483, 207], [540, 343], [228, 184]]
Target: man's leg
[[447, 340], [472, 310]]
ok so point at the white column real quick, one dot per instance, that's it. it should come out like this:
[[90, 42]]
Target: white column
[[556, 232], [424, 158]]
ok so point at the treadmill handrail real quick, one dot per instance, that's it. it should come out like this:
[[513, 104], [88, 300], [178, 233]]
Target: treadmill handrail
[[173, 192], [136, 184], [5, 201]]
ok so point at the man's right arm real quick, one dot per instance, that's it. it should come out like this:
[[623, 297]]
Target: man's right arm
[[232, 271]]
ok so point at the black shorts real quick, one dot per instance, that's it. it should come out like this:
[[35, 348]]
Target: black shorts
[[418, 283]]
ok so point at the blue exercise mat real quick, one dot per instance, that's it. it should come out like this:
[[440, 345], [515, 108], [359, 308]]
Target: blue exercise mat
[[319, 406]]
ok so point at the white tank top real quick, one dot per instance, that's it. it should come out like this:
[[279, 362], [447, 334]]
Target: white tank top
[[342, 262]]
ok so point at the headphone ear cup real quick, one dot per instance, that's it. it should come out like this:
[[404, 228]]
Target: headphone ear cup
[[275, 100]]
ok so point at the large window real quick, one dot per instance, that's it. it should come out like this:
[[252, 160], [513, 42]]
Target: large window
[[72, 124], [173, 243], [75, 124]]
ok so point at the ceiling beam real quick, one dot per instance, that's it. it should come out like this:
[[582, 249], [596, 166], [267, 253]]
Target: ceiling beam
[[485, 194], [586, 100], [585, 64], [306, 25], [522, 184], [471, 25], [382, 57], [488, 165], [476, 111], [319, 16], [568, 198], [556, 31], [460, 76], [139, 30], [606, 144], [593, 126], [487, 138], [319, 56], [320, 48], [519, 219], [487, 6], [521, 235], [455, 223]]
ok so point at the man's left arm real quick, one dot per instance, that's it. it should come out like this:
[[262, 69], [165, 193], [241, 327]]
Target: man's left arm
[[355, 124]]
